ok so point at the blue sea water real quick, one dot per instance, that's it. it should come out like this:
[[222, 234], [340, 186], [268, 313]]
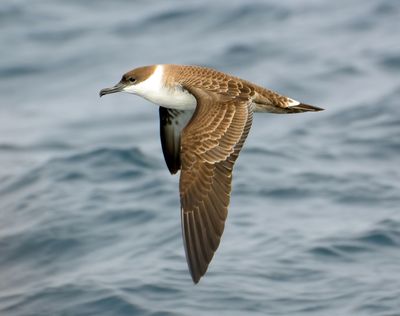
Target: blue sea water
[[89, 215]]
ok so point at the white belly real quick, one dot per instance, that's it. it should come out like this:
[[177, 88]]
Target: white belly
[[172, 98]]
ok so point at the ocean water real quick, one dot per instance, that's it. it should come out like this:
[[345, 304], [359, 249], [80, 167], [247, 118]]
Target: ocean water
[[89, 215]]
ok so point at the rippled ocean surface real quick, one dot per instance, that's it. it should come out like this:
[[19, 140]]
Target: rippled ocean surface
[[89, 215]]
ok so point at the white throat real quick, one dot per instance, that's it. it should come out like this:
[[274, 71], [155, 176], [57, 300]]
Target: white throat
[[155, 90]]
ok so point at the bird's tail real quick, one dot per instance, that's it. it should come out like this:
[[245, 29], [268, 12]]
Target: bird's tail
[[302, 107], [269, 101]]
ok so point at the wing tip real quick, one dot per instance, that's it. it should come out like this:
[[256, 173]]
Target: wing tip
[[196, 274], [195, 279], [173, 169]]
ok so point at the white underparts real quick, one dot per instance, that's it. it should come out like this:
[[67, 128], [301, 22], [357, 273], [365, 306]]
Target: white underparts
[[154, 90]]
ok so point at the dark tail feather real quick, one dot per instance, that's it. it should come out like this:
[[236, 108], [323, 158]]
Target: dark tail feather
[[303, 108]]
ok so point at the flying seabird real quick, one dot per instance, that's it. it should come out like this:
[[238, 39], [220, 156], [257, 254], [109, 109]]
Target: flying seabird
[[205, 117]]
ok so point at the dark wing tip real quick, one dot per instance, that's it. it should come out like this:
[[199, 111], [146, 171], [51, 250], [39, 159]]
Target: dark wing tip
[[200, 239], [172, 167], [195, 275], [197, 270]]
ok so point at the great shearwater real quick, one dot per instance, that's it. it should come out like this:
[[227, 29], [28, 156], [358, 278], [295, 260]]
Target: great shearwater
[[205, 117]]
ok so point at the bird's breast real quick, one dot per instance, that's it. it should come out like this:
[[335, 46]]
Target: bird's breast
[[173, 98]]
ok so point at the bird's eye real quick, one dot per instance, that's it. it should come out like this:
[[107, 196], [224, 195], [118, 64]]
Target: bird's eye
[[132, 80]]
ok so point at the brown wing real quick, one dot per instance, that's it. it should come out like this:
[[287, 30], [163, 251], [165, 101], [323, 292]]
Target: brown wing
[[210, 144], [171, 124]]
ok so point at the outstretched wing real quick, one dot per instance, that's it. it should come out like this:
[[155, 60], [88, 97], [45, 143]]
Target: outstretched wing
[[171, 124], [210, 145]]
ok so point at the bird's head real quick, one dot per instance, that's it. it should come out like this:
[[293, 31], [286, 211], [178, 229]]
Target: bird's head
[[131, 81]]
